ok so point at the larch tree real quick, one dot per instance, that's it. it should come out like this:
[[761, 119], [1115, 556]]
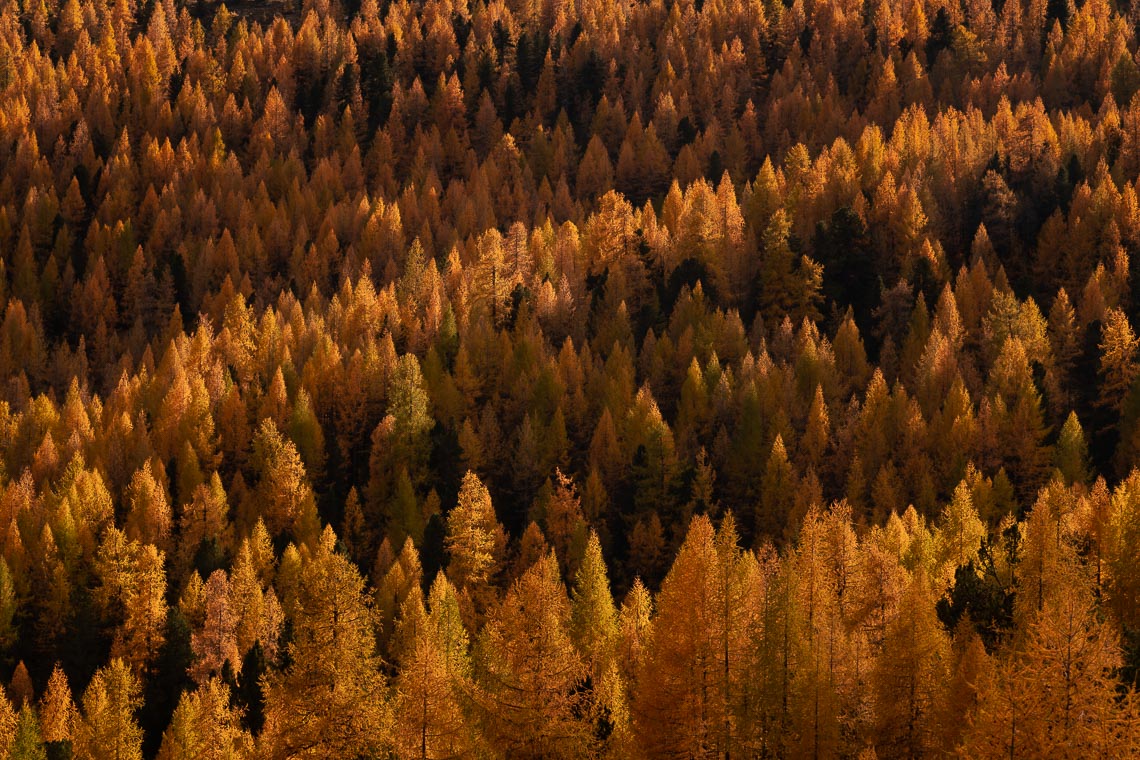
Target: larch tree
[[108, 729], [1064, 340], [203, 519], [58, 716], [593, 615], [970, 667], [1054, 694], [786, 286], [204, 725], [818, 430], [596, 172], [1071, 452], [27, 744], [8, 720], [960, 533], [776, 493], [1120, 551], [446, 626], [814, 616], [634, 631], [1118, 365], [651, 453], [1048, 551], [430, 699], [594, 630], [564, 521], [403, 577], [492, 277], [305, 430], [404, 515], [682, 689], [283, 491], [9, 630], [739, 583], [20, 688], [256, 612], [132, 594], [411, 622], [471, 528], [1075, 656], [331, 699], [216, 644], [528, 672], [149, 518], [910, 674], [401, 444]]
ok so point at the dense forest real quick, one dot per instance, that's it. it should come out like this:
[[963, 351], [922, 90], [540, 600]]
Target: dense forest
[[609, 378]]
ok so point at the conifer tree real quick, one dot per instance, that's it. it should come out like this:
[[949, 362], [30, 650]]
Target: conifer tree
[[205, 726], [776, 490], [8, 628], [910, 674], [410, 408], [1055, 694], [429, 714], [108, 730], [8, 721], [528, 671], [1118, 358], [470, 541], [57, 713], [593, 615], [27, 743], [331, 698], [20, 688], [960, 533], [132, 593], [1071, 455], [282, 489], [686, 686]]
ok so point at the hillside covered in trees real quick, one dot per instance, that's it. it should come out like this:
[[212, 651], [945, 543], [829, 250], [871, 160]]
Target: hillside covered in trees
[[623, 379]]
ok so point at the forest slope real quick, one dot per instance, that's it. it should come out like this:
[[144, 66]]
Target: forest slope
[[625, 379]]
